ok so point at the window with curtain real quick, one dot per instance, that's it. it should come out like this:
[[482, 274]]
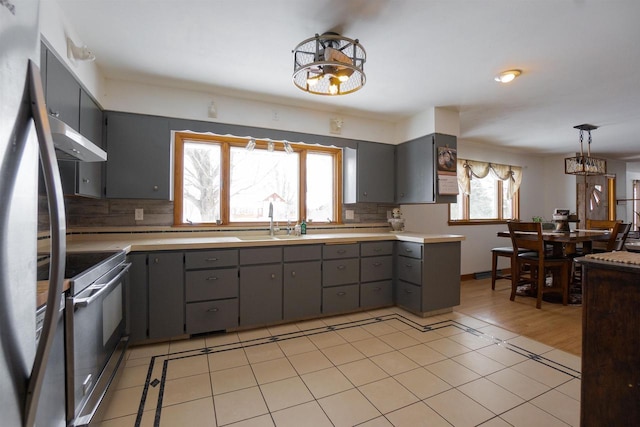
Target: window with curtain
[[488, 192]]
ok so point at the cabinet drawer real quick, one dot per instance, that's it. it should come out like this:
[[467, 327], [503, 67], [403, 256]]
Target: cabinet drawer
[[212, 316], [302, 253], [211, 284], [410, 249], [340, 299], [409, 296], [376, 248], [376, 268], [210, 259], [410, 270], [376, 294], [341, 251], [261, 255], [340, 272]]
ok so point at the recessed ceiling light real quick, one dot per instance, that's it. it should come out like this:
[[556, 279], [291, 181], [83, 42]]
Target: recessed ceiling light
[[507, 76]]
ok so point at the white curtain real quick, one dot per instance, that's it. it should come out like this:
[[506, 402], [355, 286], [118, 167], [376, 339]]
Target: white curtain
[[468, 169]]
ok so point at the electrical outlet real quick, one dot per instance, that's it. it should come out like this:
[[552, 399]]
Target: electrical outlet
[[349, 214], [139, 216], [275, 115]]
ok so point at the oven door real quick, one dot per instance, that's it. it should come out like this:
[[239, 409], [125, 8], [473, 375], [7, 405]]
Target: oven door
[[96, 341]]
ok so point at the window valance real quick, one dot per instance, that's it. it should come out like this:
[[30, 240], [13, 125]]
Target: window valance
[[467, 169]]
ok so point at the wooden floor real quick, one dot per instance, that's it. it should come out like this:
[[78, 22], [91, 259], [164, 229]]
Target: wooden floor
[[554, 324]]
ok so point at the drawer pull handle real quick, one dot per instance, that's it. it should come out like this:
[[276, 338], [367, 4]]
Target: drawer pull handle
[[377, 289], [377, 264], [408, 265], [341, 294], [341, 267], [408, 250], [212, 310], [408, 291], [211, 259], [293, 274], [273, 275], [212, 278], [342, 251], [377, 249]]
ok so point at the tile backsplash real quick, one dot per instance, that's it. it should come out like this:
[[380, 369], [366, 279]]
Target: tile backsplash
[[87, 212]]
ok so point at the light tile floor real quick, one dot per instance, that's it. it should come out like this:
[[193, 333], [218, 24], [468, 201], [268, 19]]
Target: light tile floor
[[380, 368]]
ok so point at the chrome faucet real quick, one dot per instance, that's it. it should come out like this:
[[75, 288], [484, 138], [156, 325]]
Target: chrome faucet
[[271, 230]]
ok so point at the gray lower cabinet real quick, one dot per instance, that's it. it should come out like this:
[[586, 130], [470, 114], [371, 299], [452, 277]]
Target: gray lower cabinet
[[260, 286], [211, 290], [138, 156], [340, 278], [166, 294], [428, 276], [376, 274], [302, 272], [138, 312]]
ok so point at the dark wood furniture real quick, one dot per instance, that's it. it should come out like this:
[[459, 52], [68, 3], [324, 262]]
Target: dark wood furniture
[[610, 342], [565, 243], [528, 236]]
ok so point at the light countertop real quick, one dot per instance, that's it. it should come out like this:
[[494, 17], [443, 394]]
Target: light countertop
[[154, 241]]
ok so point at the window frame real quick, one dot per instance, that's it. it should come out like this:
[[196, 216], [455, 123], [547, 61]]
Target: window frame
[[226, 142], [466, 208]]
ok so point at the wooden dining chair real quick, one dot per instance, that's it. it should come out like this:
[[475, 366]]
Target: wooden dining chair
[[600, 224], [618, 237], [528, 235]]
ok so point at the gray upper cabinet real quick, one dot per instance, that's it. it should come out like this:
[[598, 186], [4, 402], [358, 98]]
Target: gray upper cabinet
[[416, 169], [63, 93], [139, 156], [369, 173], [67, 101]]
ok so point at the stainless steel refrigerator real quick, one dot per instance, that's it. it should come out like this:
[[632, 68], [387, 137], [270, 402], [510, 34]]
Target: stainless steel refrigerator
[[24, 139]]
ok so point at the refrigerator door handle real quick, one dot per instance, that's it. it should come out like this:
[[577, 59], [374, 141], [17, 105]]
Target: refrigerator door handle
[[55, 200]]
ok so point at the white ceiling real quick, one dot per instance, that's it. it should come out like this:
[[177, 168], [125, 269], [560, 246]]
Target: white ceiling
[[579, 59]]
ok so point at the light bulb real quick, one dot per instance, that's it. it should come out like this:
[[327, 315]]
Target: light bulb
[[312, 81], [343, 78], [333, 85], [270, 146]]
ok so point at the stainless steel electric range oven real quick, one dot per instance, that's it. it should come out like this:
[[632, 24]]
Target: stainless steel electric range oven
[[95, 330]]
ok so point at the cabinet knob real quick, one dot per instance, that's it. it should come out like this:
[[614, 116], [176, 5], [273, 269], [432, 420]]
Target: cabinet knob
[[212, 278], [365, 194], [85, 180], [341, 294], [155, 188], [273, 275], [212, 310], [293, 274], [377, 249], [156, 260], [54, 113]]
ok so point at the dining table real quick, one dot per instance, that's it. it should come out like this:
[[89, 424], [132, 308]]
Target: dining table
[[564, 243]]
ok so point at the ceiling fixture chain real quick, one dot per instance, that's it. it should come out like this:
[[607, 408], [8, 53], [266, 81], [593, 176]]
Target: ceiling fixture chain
[[581, 164]]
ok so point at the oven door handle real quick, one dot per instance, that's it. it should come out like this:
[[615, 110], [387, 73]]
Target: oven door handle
[[98, 290]]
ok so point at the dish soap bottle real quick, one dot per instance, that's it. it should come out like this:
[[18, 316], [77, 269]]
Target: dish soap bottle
[[303, 227]]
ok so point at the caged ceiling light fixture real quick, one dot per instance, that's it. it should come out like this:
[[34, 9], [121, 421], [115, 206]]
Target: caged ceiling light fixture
[[581, 164], [329, 64]]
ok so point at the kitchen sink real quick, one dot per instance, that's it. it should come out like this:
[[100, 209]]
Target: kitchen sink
[[255, 237], [287, 236]]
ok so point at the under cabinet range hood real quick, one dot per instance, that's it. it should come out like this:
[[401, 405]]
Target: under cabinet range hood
[[70, 145]]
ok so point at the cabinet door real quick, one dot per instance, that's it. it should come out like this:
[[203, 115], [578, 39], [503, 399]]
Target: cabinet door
[[376, 176], [260, 294], [166, 294], [63, 93], [139, 156], [138, 310], [415, 171], [302, 289], [441, 276]]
